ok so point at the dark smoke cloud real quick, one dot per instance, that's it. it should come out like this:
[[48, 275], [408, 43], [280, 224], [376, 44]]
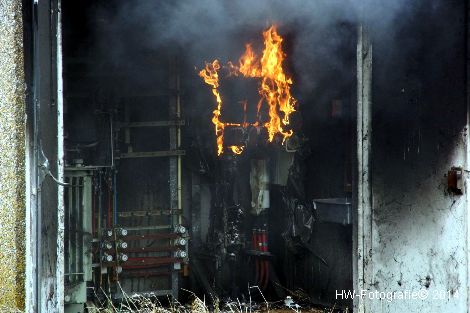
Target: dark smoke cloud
[[208, 29], [187, 21]]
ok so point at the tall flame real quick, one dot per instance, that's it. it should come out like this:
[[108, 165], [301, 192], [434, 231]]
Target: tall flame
[[274, 88], [210, 74]]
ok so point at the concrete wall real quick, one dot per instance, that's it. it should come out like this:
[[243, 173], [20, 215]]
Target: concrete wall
[[419, 231], [12, 156]]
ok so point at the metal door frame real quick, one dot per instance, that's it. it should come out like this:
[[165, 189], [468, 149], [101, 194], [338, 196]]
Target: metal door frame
[[44, 157]]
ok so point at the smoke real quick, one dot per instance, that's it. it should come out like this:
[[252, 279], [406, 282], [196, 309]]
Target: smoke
[[317, 32], [207, 21], [208, 29]]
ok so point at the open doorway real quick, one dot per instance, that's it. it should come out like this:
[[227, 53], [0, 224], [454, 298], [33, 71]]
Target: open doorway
[[154, 207]]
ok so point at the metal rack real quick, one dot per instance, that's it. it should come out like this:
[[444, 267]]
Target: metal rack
[[158, 255]]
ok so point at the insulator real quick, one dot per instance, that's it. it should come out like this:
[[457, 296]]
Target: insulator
[[180, 242], [180, 229], [122, 244], [106, 245], [180, 254], [107, 257], [123, 257], [121, 232]]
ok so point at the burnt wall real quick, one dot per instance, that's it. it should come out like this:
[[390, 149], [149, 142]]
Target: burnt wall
[[419, 131]]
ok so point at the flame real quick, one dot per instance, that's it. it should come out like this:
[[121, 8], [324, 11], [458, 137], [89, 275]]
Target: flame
[[249, 63], [274, 88], [210, 74], [236, 149]]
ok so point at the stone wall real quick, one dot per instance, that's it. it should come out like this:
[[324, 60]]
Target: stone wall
[[12, 156]]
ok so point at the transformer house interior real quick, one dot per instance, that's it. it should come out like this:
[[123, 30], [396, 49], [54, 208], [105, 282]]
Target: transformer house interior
[[234, 156], [235, 188]]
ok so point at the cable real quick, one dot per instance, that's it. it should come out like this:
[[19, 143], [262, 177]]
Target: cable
[[49, 173]]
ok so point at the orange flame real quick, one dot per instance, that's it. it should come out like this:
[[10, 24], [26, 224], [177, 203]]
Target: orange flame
[[236, 149], [274, 88], [248, 63], [211, 77]]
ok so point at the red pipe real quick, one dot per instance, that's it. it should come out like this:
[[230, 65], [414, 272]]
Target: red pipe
[[255, 248], [266, 262], [145, 273], [151, 249], [266, 281], [146, 262], [153, 236], [143, 259], [260, 248], [144, 266]]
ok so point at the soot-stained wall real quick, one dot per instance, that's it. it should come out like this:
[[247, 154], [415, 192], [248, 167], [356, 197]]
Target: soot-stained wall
[[419, 230]]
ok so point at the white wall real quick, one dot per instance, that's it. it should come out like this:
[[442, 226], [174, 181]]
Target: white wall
[[418, 231]]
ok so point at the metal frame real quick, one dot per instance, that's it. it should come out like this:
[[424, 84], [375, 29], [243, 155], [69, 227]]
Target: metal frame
[[44, 282], [60, 164], [175, 161], [467, 148], [362, 223], [79, 260], [174, 153]]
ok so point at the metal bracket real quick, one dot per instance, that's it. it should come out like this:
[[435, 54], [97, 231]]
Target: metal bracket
[[455, 180]]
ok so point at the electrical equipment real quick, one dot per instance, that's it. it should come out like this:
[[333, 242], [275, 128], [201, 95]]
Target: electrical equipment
[[259, 183], [78, 238]]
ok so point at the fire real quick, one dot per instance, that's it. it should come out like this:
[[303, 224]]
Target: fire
[[236, 149], [274, 88], [210, 74]]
